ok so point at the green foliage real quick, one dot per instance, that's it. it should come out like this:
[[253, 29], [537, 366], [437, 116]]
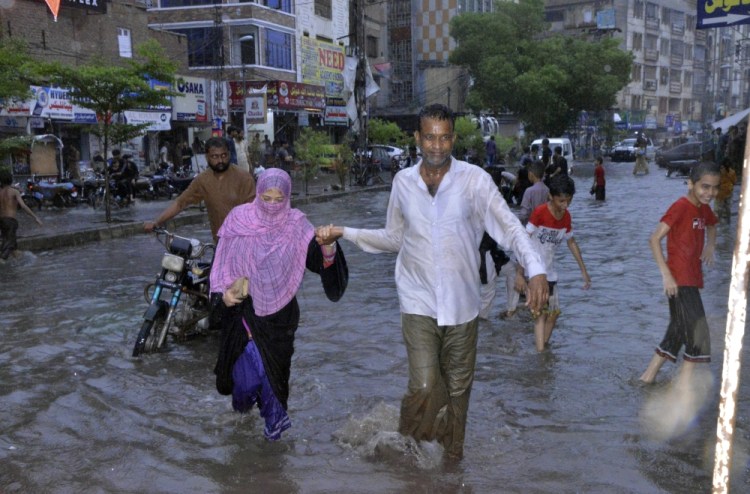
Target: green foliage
[[17, 69], [384, 132], [344, 160], [468, 138], [15, 144], [544, 78], [310, 147]]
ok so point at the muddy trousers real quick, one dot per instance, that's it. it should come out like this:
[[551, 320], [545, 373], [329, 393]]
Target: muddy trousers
[[441, 372]]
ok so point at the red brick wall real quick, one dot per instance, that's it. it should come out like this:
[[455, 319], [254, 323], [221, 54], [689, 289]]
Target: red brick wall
[[78, 35]]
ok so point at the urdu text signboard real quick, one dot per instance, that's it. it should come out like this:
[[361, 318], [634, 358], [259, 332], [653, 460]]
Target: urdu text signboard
[[282, 95], [720, 13]]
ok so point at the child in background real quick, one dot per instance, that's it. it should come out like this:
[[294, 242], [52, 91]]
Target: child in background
[[688, 224], [549, 225], [599, 181], [723, 202]]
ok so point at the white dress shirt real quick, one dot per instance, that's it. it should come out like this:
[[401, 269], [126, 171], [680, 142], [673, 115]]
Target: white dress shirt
[[437, 240]]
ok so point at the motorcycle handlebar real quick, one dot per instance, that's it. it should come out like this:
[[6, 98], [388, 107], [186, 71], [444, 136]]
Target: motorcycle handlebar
[[199, 248]]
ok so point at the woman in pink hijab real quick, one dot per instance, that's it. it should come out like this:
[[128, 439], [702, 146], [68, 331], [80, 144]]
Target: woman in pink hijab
[[263, 250]]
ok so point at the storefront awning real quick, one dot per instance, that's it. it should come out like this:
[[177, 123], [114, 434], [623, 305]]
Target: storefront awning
[[725, 123]]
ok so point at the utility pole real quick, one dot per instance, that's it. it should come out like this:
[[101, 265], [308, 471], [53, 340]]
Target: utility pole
[[360, 82]]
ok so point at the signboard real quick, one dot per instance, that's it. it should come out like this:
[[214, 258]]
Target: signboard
[[15, 108], [157, 120], [282, 95], [336, 112], [159, 86], [255, 107], [98, 6], [323, 65], [190, 105], [719, 13], [51, 102]]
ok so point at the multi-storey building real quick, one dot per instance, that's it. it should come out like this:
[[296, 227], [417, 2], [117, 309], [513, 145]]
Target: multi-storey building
[[292, 50], [682, 77], [104, 30], [419, 44]]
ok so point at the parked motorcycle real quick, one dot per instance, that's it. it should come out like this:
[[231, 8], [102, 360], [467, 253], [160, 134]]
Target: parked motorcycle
[[40, 193], [153, 187], [179, 297], [118, 197]]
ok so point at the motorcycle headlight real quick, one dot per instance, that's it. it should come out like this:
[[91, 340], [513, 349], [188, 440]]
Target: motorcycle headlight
[[170, 276], [171, 262]]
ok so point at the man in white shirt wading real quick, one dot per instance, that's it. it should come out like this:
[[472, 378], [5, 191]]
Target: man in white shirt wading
[[436, 215]]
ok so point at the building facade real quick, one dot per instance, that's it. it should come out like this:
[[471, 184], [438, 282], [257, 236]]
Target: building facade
[[683, 77], [83, 32]]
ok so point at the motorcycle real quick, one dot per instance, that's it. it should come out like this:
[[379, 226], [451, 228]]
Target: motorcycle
[[40, 193], [153, 187], [178, 298]]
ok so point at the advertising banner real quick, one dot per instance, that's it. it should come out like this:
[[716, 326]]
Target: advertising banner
[[323, 65], [255, 106], [51, 102], [190, 105], [157, 120], [718, 13], [282, 95]]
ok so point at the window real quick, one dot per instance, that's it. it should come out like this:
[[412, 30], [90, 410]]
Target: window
[[554, 16], [278, 49], [688, 80], [664, 75], [244, 45], [282, 5], [636, 73], [638, 9], [323, 8], [203, 46], [124, 42], [652, 11], [372, 47], [637, 41]]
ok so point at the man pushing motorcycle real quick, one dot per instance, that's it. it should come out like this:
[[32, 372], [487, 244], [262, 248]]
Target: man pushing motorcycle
[[221, 186]]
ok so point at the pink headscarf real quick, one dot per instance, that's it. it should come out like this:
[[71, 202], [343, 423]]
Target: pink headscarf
[[266, 243]]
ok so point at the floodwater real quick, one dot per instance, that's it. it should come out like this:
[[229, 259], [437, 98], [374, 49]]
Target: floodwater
[[80, 415]]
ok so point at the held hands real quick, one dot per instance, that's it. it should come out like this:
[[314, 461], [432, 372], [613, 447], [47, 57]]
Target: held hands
[[236, 293], [537, 293], [149, 226], [326, 235]]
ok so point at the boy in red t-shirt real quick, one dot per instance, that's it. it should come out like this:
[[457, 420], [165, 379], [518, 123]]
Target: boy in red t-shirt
[[688, 224], [549, 226], [600, 183]]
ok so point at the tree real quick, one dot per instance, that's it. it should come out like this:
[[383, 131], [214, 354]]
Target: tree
[[17, 70], [110, 90], [384, 132], [310, 148], [544, 78]]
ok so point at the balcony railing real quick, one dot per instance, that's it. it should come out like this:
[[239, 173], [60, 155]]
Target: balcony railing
[[649, 84], [652, 23], [678, 29], [676, 60], [675, 87], [651, 54]]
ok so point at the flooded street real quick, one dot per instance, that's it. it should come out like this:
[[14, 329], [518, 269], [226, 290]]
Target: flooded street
[[79, 414]]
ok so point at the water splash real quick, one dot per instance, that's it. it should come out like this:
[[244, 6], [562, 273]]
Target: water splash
[[375, 436]]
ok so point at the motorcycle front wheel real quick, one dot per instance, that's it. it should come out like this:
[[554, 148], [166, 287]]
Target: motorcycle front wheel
[[149, 335]]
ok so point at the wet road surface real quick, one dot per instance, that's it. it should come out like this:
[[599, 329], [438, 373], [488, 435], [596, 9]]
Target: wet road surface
[[80, 415]]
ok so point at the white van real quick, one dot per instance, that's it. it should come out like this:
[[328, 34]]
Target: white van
[[563, 142]]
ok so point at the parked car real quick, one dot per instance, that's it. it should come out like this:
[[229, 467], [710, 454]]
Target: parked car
[[384, 154], [680, 159], [625, 150], [564, 143]]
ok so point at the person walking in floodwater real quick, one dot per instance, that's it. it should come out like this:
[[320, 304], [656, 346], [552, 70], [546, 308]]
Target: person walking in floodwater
[[437, 214], [690, 228], [549, 225], [10, 201]]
